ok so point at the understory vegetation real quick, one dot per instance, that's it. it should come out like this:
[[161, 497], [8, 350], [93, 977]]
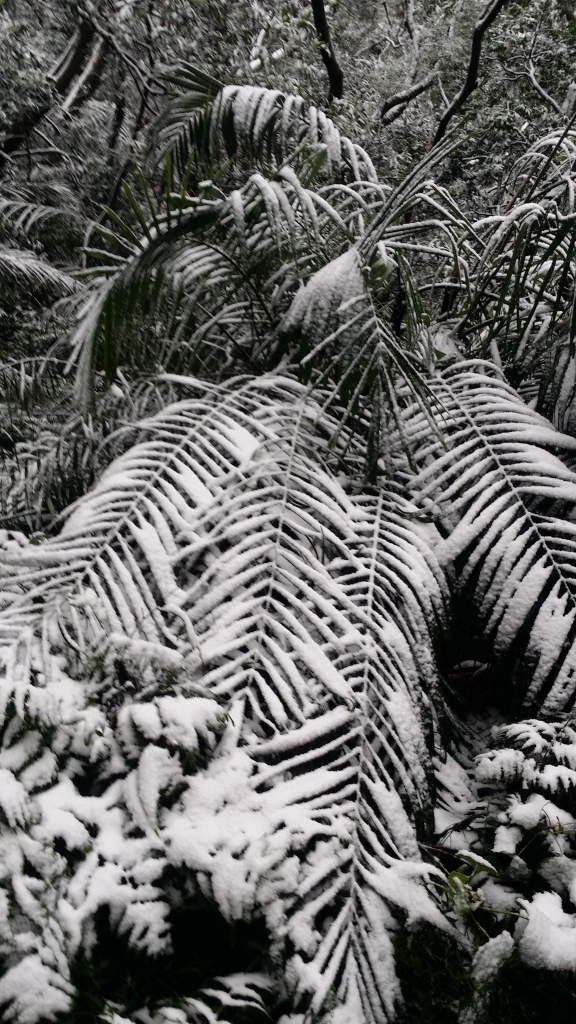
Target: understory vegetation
[[288, 512]]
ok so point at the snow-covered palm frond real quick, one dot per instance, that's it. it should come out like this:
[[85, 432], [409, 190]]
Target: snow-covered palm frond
[[210, 277], [520, 308], [521, 302], [223, 566], [253, 123], [507, 503], [49, 453], [341, 327], [24, 207], [275, 273], [229, 995], [360, 321], [30, 381], [557, 387], [22, 269], [544, 173]]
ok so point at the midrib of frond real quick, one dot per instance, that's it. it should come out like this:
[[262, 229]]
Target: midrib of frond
[[272, 565]]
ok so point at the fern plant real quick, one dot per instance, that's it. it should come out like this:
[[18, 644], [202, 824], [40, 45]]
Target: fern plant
[[231, 691]]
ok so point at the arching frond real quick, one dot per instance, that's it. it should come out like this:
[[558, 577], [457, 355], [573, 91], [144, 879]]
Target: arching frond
[[507, 502], [206, 284], [251, 122]]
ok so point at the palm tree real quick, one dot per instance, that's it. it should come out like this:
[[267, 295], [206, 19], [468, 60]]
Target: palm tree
[[242, 674]]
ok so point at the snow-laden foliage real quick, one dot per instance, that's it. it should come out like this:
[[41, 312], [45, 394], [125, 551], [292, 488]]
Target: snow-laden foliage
[[265, 123], [259, 704], [507, 505], [22, 269], [248, 675]]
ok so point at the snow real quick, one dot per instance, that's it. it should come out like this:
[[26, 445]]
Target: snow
[[33, 992], [506, 839], [536, 809], [498, 896], [549, 939], [491, 957], [336, 283], [13, 799], [157, 770]]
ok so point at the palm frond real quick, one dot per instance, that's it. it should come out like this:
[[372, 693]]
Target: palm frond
[[251, 122], [507, 504], [556, 391], [211, 277], [22, 269], [26, 207], [50, 454], [360, 321], [520, 308]]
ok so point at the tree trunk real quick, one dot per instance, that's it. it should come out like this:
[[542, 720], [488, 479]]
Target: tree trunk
[[335, 73]]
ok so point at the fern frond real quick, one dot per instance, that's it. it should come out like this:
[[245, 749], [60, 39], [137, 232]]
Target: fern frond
[[507, 505], [222, 556]]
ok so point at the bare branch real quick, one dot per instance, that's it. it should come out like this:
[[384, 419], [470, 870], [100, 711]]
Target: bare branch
[[445, 99], [141, 80], [89, 76], [335, 73], [394, 115], [61, 75], [489, 14], [406, 97], [531, 75], [69, 63]]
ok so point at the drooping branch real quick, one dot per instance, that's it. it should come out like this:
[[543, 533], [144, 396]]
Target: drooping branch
[[488, 16], [335, 73], [402, 99]]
